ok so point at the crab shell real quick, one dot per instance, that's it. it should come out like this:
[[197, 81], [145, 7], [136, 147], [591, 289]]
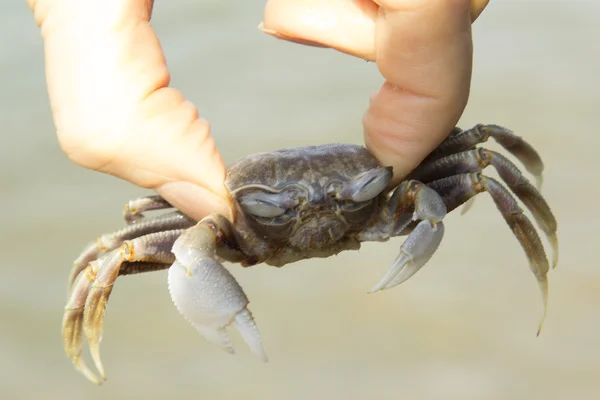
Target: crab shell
[[306, 202]]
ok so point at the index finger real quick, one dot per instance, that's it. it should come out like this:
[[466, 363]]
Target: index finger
[[344, 25]]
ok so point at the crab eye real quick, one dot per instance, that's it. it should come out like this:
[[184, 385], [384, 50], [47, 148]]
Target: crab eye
[[371, 184], [268, 205], [262, 208], [366, 186]]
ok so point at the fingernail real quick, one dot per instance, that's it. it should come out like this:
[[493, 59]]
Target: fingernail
[[261, 27], [288, 38]]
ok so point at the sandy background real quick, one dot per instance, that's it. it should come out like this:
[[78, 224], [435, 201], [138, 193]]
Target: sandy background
[[463, 328]]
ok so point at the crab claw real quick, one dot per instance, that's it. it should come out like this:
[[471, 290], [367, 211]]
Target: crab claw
[[414, 254], [211, 299]]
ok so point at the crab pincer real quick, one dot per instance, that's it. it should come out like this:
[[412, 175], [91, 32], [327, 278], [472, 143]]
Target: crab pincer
[[206, 293], [424, 239]]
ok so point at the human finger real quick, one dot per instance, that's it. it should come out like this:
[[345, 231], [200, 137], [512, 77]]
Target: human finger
[[112, 107], [346, 26]]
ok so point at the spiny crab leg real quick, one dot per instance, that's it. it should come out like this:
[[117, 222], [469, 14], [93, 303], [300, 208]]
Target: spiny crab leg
[[72, 324], [476, 160], [111, 241], [465, 186], [423, 241], [134, 209], [206, 293], [459, 141], [85, 309]]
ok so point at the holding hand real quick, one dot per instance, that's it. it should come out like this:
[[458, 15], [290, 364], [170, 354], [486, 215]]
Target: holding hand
[[114, 112]]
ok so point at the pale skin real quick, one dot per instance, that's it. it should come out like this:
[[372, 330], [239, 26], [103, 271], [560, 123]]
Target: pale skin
[[115, 113]]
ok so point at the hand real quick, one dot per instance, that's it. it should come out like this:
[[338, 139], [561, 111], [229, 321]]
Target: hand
[[423, 49], [107, 82]]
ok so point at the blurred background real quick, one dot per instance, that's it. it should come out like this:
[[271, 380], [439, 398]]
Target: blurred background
[[462, 328]]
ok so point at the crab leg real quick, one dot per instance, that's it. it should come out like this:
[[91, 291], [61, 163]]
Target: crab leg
[[92, 288], [475, 161], [206, 293], [138, 267], [133, 211], [72, 324], [423, 241], [466, 140], [460, 188], [110, 241], [73, 318]]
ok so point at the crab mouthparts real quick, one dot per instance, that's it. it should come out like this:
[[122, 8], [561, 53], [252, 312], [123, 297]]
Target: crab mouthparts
[[318, 232]]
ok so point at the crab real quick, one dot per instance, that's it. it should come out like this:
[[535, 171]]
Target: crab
[[301, 203]]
